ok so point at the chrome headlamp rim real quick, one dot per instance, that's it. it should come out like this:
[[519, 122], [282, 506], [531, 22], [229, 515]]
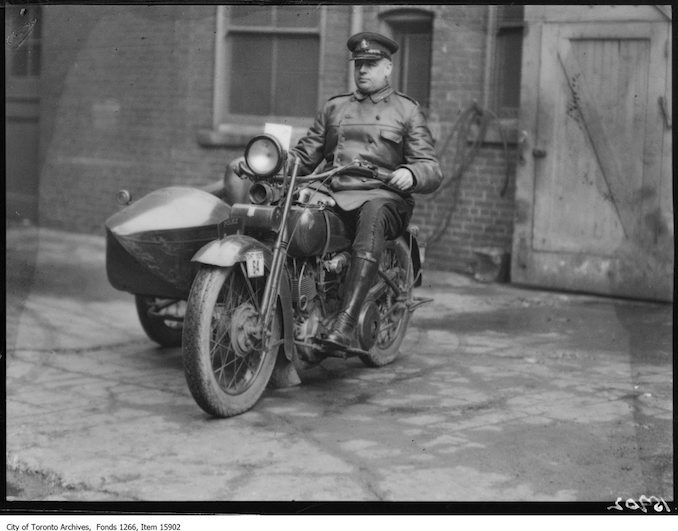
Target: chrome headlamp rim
[[279, 153]]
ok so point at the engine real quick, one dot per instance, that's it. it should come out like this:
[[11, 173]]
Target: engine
[[316, 296]]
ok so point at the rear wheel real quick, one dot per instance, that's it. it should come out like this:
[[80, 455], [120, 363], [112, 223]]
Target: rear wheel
[[394, 316], [161, 319], [227, 361]]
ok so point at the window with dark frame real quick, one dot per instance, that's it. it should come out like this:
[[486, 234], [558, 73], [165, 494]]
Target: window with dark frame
[[508, 54], [271, 49], [412, 29]]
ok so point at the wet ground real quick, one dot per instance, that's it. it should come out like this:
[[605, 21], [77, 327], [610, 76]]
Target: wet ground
[[500, 394]]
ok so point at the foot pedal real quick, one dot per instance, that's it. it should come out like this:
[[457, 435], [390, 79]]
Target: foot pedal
[[356, 351], [337, 351]]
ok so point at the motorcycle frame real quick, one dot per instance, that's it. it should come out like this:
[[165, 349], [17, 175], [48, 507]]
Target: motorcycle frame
[[274, 283], [282, 242]]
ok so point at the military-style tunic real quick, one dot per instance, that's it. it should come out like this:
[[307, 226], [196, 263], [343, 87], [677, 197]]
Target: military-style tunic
[[386, 128]]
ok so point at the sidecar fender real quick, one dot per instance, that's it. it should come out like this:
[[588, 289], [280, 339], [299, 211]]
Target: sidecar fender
[[229, 251]]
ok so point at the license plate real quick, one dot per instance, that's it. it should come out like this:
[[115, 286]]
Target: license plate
[[255, 263]]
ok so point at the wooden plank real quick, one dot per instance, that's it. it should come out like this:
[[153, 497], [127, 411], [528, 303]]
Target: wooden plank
[[598, 13], [545, 168], [607, 31], [666, 11], [571, 212], [666, 180], [608, 158], [524, 194]]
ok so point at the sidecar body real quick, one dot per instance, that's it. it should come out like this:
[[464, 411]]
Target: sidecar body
[[150, 243]]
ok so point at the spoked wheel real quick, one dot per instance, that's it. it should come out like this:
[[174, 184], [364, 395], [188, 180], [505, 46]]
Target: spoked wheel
[[227, 360], [161, 319], [393, 313]]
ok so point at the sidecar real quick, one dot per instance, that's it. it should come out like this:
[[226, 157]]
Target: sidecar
[[149, 246]]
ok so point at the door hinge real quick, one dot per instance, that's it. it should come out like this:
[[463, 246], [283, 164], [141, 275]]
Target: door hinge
[[521, 254], [665, 111]]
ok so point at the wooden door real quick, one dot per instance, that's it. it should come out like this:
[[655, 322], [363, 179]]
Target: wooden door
[[22, 107], [594, 207]]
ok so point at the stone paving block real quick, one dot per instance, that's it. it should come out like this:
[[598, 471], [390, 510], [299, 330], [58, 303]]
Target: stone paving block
[[421, 420], [587, 411], [17, 408]]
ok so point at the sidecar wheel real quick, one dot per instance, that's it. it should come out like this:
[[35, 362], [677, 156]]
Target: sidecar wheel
[[165, 332], [393, 315], [226, 368]]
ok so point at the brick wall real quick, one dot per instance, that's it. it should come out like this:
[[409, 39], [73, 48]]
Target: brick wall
[[481, 216], [126, 89]]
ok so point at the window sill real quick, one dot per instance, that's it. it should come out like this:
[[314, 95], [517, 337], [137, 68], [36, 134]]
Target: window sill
[[238, 135]]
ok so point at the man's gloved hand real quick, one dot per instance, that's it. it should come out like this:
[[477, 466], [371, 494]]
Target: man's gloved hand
[[402, 179]]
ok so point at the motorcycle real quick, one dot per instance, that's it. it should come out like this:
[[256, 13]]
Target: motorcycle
[[260, 282]]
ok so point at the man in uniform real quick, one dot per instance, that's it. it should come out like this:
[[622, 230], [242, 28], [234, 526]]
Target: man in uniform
[[382, 127]]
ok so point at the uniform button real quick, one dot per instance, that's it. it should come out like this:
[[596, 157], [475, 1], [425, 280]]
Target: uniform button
[[378, 117]]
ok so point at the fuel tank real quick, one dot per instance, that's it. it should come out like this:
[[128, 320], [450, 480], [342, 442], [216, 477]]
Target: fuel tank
[[161, 232], [314, 230]]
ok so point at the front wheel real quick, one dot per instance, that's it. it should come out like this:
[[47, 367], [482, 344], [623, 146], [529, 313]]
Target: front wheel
[[396, 263], [227, 360]]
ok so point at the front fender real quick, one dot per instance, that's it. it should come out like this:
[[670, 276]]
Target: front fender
[[230, 250]]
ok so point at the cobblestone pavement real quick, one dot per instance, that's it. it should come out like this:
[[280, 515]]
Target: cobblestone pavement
[[500, 393]]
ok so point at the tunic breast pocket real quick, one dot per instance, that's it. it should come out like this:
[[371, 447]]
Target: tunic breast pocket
[[392, 137], [391, 145]]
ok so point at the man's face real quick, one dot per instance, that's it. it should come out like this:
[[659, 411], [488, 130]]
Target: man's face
[[371, 75]]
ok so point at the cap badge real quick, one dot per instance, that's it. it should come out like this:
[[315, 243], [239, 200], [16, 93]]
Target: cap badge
[[364, 45]]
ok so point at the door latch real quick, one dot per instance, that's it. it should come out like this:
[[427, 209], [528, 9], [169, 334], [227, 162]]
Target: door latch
[[522, 146]]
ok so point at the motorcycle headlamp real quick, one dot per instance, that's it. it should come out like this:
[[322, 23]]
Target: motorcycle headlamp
[[264, 156]]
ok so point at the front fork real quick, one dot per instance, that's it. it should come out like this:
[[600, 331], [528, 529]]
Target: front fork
[[279, 256]]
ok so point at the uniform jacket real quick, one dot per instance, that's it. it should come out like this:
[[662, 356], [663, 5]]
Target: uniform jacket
[[386, 128]]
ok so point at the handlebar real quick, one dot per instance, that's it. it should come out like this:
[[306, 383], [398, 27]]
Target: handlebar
[[356, 167]]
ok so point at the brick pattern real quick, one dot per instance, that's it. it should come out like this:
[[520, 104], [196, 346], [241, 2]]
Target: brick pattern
[[125, 90], [481, 216]]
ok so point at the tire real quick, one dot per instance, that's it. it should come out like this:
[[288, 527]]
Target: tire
[[396, 262], [225, 369], [165, 332]]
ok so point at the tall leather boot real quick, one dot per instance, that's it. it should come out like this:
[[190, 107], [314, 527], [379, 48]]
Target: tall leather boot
[[361, 276]]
